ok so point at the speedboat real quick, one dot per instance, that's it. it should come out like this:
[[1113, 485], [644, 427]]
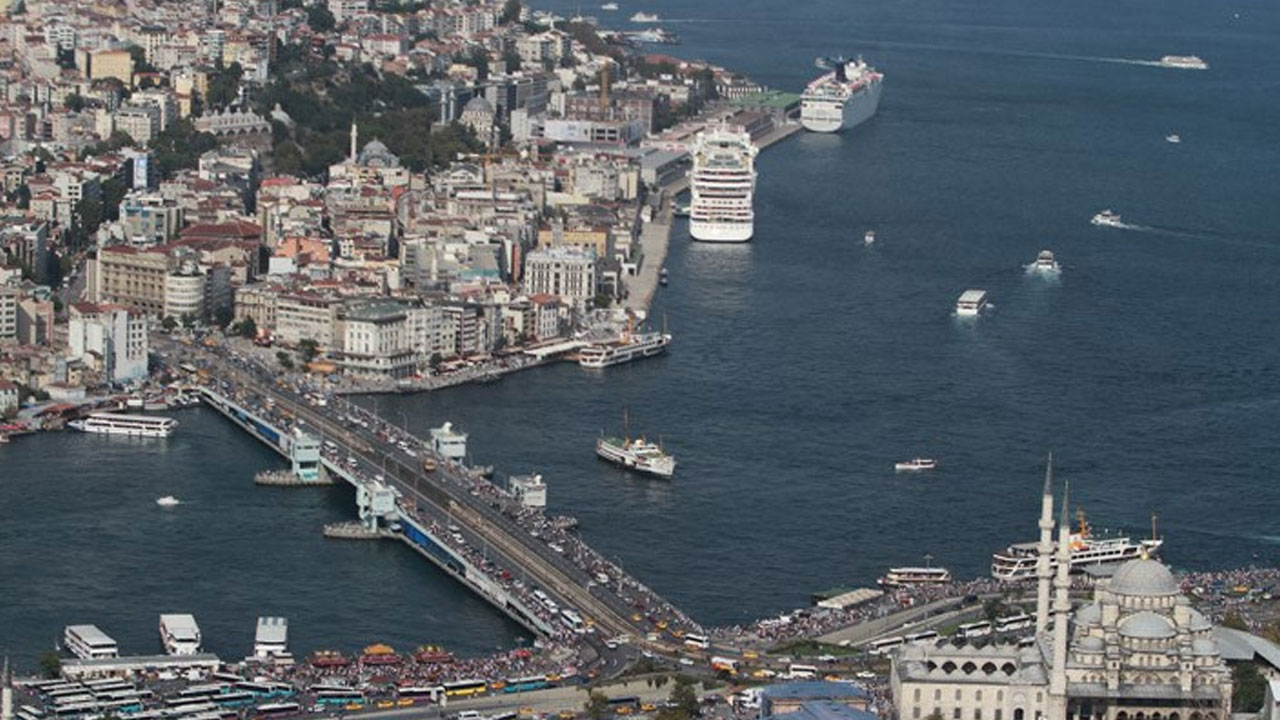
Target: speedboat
[[644, 17], [869, 238], [1173, 138], [609, 6], [1046, 263], [168, 501], [1107, 218], [916, 465], [1184, 62]]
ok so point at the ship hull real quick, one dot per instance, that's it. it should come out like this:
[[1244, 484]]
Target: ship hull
[[826, 115], [721, 232]]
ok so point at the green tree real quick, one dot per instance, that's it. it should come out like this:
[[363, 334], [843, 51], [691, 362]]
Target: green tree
[[1235, 621], [320, 19], [189, 320], [140, 64], [50, 664], [511, 59], [248, 328], [478, 59], [510, 12], [597, 705], [223, 315], [179, 147], [435, 360], [224, 86], [169, 323], [309, 349], [1248, 689], [75, 102], [602, 301], [284, 359], [684, 698]]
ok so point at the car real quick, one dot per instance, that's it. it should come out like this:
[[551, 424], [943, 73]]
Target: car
[[648, 707], [567, 715], [866, 675], [750, 654], [685, 661], [611, 644]]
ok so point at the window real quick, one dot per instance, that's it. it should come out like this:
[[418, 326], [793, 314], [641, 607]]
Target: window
[[915, 712], [977, 714], [917, 695], [957, 694], [956, 713]]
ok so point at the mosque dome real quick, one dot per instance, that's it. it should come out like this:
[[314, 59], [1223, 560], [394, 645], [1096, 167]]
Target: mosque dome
[[1144, 578], [1204, 646], [1147, 625], [478, 104], [1198, 622], [1090, 614], [1091, 644]]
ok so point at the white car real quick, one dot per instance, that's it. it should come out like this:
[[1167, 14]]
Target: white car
[[686, 661]]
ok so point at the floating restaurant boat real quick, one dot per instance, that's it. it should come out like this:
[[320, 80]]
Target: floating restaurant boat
[[906, 576], [88, 642], [427, 654], [379, 654], [328, 659], [132, 425], [271, 639], [1018, 561]]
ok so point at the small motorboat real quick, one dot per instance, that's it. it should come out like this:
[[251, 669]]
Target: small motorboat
[[1046, 263], [915, 465], [1107, 218], [168, 501], [869, 238], [1173, 138]]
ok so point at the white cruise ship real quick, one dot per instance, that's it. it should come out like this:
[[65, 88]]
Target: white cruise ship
[[1018, 562], [135, 425], [87, 642], [842, 98], [722, 185], [179, 634]]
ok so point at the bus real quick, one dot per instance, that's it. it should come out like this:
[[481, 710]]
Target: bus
[[235, 699], [879, 647], [278, 709], [802, 672], [728, 665], [334, 697], [26, 712], [107, 684], [67, 690], [225, 677], [697, 641], [125, 706], [265, 690], [1014, 622], [572, 619], [189, 701], [629, 701], [416, 692], [925, 636], [525, 684], [75, 709], [465, 688], [207, 690], [974, 629]]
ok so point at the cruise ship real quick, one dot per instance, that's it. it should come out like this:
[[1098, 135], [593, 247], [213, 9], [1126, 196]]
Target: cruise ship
[[179, 634], [134, 425], [87, 642], [627, 348], [842, 98], [1018, 562], [722, 185]]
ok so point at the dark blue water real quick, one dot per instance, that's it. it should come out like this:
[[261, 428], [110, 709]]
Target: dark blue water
[[805, 364]]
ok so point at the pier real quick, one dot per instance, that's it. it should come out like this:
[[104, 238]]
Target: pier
[[442, 514]]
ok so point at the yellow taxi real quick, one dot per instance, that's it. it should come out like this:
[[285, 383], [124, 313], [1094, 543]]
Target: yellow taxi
[[648, 707], [750, 654]]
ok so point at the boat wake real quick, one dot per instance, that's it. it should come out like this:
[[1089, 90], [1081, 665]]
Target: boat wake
[[1194, 235]]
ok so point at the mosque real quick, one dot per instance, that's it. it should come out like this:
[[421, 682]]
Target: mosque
[[1138, 651]]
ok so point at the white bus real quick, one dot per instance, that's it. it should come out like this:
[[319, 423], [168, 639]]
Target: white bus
[[879, 647], [925, 636], [697, 641], [802, 672], [974, 629], [1014, 622]]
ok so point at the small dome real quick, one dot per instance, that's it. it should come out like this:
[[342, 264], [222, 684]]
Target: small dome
[[1090, 614], [1144, 578], [1091, 644], [1147, 625], [478, 104], [1198, 622], [1204, 646]]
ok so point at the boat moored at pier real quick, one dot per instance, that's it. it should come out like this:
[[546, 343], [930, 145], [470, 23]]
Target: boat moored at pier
[[629, 347], [722, 185], [1018, 561], [87, 642], [907, 576], [131, 425], [179, 634], [843, 98]]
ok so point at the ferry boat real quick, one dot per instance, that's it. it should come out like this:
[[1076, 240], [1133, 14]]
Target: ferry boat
[[88, 642], [133, 425], [644, 17], [916, 465], [638, 454], [271, 639], [609, 6], [1173, 138], [1046, 263], [722, 185], [1183, 62], [841, 99], [1018, 562], [971, 303], [1107, 218], [869, 238], [179, 634], [907, 576], [631, 346]]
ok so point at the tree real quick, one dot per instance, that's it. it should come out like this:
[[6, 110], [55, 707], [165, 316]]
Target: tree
[[285, 361], [511, 59], [597, 705], [248, 328], [1235, 621], [223, 315], [224, 85], [74, 102], [50, 664], [320, 19], [1248, 689], [684, 697], [602, 301], [189, 320], [168, 323], [435, 360], [510, 12], [478, 59], [309, 349], [991, 609], [140, 64]]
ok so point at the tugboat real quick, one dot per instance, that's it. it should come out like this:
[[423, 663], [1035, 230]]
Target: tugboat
[[639, 454]]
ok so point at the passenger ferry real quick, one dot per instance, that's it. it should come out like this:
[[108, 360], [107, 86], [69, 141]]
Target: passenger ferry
[[1183, 62], [88, 642], [271, 638], [916, 465], [1046, 263], [627, 348], [132, 425], [907, 576], [971, 303], [1018, 562], [638, 454], [180, 634]]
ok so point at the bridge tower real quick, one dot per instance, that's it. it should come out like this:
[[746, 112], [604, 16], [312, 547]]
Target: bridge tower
[[304, 455], [374, 501]]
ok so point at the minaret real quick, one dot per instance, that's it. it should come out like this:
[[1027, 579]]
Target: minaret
[[1043, 571], [1061, 611], [6, 693], [354, 134]]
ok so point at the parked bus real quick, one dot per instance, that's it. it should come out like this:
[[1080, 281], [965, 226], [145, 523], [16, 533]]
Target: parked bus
[[629, 701], [974, 629], [525, 684], [235, 699], [207, 690], [335, 697], [283, 709], [879, 647], [802, 672], [432, 693], [697, 641], [1014, 622], [921, 636], [465, 688]]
